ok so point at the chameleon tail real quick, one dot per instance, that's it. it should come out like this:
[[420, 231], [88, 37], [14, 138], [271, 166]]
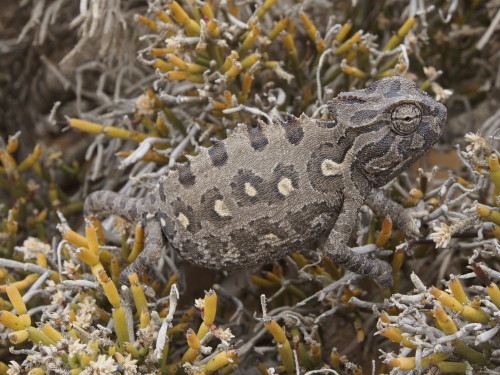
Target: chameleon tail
[[102, 203]]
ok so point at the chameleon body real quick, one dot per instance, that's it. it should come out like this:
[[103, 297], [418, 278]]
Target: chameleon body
[[270, 190]]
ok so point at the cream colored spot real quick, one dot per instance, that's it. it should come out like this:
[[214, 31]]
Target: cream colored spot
[[271, 237], [163, 222], [221, 208], [250, 190], [183, 220], [285, 186], [330, 168]]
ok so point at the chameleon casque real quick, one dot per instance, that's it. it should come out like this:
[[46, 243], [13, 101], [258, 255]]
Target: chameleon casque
[[267, 191]]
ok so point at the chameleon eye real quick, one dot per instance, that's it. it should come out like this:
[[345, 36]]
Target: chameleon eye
[[405, 118]]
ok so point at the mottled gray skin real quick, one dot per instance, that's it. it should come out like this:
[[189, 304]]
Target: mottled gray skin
[[267, 191]]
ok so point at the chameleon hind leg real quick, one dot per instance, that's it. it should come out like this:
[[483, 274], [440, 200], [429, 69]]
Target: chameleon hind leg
[[150, 255], [338, 251], [104, 203]]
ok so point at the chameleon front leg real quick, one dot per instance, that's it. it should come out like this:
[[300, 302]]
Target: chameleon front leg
[[398, 214], [103, 203], [339, 252], [153, 244]]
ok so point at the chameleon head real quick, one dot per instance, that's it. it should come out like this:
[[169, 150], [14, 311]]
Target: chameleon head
[[388, 126]]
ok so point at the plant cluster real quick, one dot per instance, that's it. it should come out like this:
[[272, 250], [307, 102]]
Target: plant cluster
[[202, 68]]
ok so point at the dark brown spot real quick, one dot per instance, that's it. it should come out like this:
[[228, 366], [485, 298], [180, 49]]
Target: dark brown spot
[[186, 176], [218, 153], [167, 225], [247, 188], [318, 180], [257, 138], [214, 208], [293, 129], [161, 191], [183, 210], [284, 181], [326, 123]]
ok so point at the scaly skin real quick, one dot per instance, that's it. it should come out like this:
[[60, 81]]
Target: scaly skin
[[267, 191]]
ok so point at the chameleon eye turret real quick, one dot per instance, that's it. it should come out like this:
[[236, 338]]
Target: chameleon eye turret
[[405, 118], [267, 191]]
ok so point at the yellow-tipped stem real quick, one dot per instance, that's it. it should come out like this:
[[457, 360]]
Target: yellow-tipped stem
[[110, 131], [249, 40], [409, 363], [335, 359], [22, 284], [163, 17], [163, 65], [228, 63], [353, 71], [278, 28], [398, 37], [191, 26], [446, 299], [138, 293], [11, 321], [458, 291], [488, 214], [16, 299], [347, 45], [234, 70], [144, 319], [121, 328], [12, 144], [210, 307], [161, 52], [176, 75], [207, 11], [494, 170], [385, 233], [75, 238], [344, 30], [447, 325], [109, 288], [176, 61], [494, 293], [283, 344], [138, 242], [91, 235], [130, 348], [30, 159], [18, 337], [395, 334], [213, 27], [290, 46], [36, 371], [264, 8], [39, 337], [219, 360], [87, 256], [52, 333], [146, 21], [194, 347], [250, 60]]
